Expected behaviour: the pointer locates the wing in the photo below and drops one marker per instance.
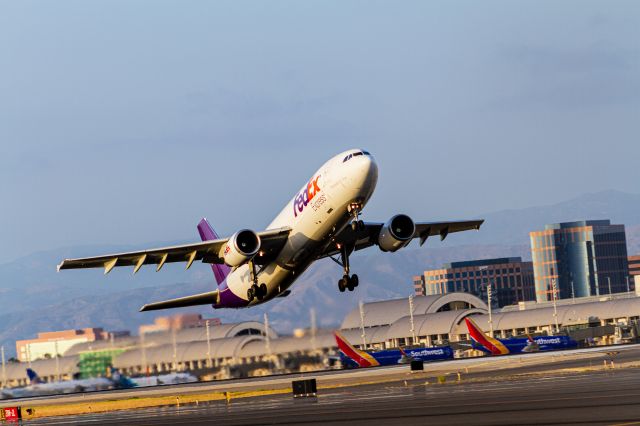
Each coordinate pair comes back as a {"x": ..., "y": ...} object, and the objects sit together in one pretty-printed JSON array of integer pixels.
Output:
[
  {"x": 368, "y": 236},
  {"x": 272, "y": 242}
]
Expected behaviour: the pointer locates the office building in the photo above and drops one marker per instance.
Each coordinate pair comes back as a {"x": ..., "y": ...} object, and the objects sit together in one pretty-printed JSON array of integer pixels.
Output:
[
  {"x": 511, "y": 280},
  {"x": 584, "y": 258},
  {"x": 634, "y": 272}
]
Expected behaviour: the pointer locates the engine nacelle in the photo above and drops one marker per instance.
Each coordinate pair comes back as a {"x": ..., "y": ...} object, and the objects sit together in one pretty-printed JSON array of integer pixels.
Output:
[
  {"x": 396, "y": 233},
  {"x": 241, "y": 247}
]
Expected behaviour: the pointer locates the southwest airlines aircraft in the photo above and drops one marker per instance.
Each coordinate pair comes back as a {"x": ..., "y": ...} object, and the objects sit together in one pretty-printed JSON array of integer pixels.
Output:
[
  {"x": 514, "y": 345},
  {"x": 322, "y": 220},
  {"x": 352, "y": 357}
]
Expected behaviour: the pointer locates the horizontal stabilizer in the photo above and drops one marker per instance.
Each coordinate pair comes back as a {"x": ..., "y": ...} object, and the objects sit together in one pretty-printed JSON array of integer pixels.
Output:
[{"x": 209, "y": 298}]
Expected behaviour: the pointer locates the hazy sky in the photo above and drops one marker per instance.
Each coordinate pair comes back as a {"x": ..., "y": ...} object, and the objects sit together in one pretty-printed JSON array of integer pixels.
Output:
[{"x": 126, "y": 121}]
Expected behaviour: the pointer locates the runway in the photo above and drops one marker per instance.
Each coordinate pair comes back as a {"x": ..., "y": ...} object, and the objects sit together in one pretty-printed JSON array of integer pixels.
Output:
[
  {"x": 520, "y": 392},
  {"x": 608, "y": 397}
]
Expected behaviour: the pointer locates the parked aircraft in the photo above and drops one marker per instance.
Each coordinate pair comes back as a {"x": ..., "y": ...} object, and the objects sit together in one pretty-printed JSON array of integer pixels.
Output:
[
  {"x": 165, "y": 379},
  {"x": 38, "y": 387},
  {"x": 494, "y": 346},
  {"x": 351, "y": 357},
  {"x": 322, "y": 220}
]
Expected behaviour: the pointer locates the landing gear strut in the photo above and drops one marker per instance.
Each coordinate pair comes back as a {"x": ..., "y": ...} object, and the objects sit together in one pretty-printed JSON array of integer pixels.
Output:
[
  {"x": 256, "y": 290},
  {"x": 354, "y": 209},
  {"x": 346, "y": 282}
]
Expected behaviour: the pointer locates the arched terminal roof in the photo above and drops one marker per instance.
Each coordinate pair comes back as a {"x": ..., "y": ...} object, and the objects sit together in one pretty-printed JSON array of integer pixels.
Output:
[
  {"x": 389, "y": 311},
  {"x": 197, "y": 350},
  {"x": 567, "y": 314},
  {"x": 445, "y": 322}
]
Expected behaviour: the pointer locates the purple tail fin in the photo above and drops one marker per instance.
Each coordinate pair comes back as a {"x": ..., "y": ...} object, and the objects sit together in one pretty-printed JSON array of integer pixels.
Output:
[{"x": 207, "y": 233}]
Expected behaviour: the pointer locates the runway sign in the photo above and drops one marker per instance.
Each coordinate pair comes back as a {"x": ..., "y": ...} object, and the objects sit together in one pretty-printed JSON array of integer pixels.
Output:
[
  {"x": 303, "y": 388},
  {"x": 12, "y": 414}
]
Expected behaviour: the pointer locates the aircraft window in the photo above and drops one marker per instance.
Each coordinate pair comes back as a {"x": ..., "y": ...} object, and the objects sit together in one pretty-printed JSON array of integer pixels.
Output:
[
  {"x": 365, "y": 153},
  {"x": 347, "y": 158},
  {"x": 357, "y": 153}
]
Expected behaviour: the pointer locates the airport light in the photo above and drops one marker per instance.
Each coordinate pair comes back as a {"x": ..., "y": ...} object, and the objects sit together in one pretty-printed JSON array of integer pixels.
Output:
[
  {"x": 144, "y": 354},
  {"x": 175, "y": 348},
  {"x": 413, "y": 330},
  {"x": 555, "y": 309},
  {"x": 267, "y": 342},
  {"x": 57, "y": 361},
  {"x": 363, "y": 335},
  {"x": 209, "y": 364},
  {"x": 312, "y": 313}
]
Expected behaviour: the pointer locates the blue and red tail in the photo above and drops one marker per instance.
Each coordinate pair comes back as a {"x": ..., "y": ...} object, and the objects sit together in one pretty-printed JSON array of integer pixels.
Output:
[{"x": 207, "y": 234}]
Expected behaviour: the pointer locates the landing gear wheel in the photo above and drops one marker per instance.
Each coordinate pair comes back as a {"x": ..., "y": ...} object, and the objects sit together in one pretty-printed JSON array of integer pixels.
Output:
[
  {"x": 263, "y": 290},
  {"x": 250, "y": 294},
  {"x": 342, "y": 284},
  {"x": 354, "y": 280}
]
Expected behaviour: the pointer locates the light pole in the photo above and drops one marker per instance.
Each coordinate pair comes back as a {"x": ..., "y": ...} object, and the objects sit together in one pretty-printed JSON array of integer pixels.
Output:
[
  {"x": 363, "y": 335},
  {"x": 609, "y": 283},
  {"x": 555, "y": 309},
  {"x": 57, "y": 361},
  {"x": 312, "y": 313},
  {"x": 489, "y": 293},
  {"x": 209, "y": 363},
  {"x": 413, "y": 330}
]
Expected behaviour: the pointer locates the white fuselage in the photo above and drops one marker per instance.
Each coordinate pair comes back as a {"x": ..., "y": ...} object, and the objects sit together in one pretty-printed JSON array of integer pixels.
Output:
[{"x": 318, "y": 212}]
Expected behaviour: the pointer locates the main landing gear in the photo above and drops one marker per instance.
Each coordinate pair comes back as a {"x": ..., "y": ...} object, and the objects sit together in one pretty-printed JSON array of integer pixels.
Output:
[
  {"x": 347, "y": 282},
  {"x": 255, "y": 291}
]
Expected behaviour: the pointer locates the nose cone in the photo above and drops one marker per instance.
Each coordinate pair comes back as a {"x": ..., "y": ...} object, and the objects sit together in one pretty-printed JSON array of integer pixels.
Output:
[{"x": 365, "y": 172}]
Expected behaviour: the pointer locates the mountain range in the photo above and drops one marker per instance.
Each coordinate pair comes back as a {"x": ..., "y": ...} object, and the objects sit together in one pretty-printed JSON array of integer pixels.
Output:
[{"x": 36, "y": 298}]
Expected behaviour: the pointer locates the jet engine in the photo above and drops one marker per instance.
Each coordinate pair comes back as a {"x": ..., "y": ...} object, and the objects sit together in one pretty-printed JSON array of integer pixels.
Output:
[
  {"x": 241, "y": 247},
  {"x": 396, "y": 233}
]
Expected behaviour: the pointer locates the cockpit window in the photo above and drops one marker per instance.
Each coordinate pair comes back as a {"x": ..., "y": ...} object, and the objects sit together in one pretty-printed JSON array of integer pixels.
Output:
[{"x": 355, "y": 154}]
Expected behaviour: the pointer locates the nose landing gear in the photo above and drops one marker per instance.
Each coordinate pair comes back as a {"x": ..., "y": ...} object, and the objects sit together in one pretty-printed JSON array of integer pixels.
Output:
[{"x": 354, "y": 209}]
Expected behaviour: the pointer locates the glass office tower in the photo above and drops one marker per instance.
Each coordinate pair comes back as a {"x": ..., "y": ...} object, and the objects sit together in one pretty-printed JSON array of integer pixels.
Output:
[{"x": 585, "y": 258}]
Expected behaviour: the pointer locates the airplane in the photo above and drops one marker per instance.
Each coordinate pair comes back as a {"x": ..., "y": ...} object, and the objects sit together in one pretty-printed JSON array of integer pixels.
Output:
[
  {"x": 38, "y": 387},
  {"x": 164, "y": 379},
  {"x": 514, "y": 345},
  {"x": 351, "y": 357},
  {"x": 322, "y": 220}
]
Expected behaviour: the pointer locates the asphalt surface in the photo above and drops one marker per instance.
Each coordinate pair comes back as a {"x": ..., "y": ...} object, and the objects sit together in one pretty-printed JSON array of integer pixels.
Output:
[
  {"x": 470, "y": 368},
  {"x": 601, "y": 397}
]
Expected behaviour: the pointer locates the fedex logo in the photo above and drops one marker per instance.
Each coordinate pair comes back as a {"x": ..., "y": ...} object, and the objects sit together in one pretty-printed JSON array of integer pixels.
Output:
[{"x": 305, "y": 196}]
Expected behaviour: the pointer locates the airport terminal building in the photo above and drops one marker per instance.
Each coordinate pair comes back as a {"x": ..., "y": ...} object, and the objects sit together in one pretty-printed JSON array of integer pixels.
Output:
[{"x": 251, "y": 349}]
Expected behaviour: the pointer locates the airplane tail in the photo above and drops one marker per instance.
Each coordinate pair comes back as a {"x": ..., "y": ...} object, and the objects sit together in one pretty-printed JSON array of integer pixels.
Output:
[
  {"x": 206, "y": 234},
  {"x": 362, "y": 358},
  {"x": 484, "y": 342},
  {"x": 33, "y": 377}
]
